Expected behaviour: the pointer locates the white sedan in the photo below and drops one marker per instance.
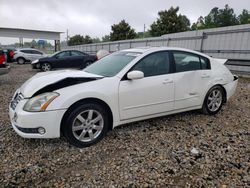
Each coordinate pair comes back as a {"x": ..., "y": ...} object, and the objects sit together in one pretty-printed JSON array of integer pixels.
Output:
[{"x": 126, "y": 86}]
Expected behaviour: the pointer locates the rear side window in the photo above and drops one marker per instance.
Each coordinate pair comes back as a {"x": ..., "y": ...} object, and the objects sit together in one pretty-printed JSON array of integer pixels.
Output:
[
  {"x": 36, "y": 52},
  {"x": 75, "y": 53},
  {"x": 189, "y": 62},
  {"x": 26, "y": 51},
  {"x": 205, "y": 63},
  {"x": 154, "y": 64}
]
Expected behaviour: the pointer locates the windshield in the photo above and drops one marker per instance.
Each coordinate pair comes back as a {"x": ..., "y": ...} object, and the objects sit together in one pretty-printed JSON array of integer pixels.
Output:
[
  {"x": 112, "y": 64},
  {"x": 52, "y": 55}
]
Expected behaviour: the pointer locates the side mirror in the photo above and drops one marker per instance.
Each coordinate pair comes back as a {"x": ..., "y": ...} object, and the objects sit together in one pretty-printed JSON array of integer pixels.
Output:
[{"x": 134, "y": 75}]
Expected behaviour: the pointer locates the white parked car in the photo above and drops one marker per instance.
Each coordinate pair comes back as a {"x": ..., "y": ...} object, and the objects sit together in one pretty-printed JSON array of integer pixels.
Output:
[
  {"x": 27, "y": 55},
  {"x": 126, "y": 86}
]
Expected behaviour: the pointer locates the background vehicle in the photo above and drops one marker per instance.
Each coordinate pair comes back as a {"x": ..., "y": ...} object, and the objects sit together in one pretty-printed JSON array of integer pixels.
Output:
[
  {"x": 64, "y": 59},
  {"x": 4, "y": 67},
  {"x": 27, "y": 55},
  {"x": 126, "y": 86},
  {"x": 10, "y": 54}
]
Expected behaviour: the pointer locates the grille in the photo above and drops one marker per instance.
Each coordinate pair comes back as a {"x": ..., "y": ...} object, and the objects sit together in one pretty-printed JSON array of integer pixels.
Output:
[{"x": 18, "y": 97}]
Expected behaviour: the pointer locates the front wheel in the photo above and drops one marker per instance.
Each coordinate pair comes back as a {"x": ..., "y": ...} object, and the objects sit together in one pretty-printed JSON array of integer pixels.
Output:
[
  {"x": 213, "y": 101},
  {"x": 85, "y": 125},
  {"x": 46, "y": 67}
]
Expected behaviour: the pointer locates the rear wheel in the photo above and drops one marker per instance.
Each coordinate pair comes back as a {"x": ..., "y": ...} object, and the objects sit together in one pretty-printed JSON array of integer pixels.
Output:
[
  {"x": 85, "y": 125},
  {"x": 213, "y": 101},
  {"x": 20, "y": 60},
  {"x": 46, "y": 67}
]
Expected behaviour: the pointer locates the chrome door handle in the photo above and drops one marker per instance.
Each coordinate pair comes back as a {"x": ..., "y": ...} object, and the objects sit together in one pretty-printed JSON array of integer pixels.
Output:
[
  {"x": 205, "y": 76},
  {"x": 167, "y": 81}
]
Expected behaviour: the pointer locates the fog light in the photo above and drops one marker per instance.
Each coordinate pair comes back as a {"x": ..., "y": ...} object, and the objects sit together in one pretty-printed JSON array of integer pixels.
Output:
[{"x": 41, "y": 130}]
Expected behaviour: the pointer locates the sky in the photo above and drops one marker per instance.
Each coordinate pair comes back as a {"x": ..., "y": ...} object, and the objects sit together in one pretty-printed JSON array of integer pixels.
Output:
[{"x": 95, "y": 17}]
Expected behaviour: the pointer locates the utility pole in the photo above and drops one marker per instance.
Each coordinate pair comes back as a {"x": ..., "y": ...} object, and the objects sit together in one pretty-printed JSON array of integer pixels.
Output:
[
  {"x": 144, "y": 30},
  {"x": 67, "y": 37}
]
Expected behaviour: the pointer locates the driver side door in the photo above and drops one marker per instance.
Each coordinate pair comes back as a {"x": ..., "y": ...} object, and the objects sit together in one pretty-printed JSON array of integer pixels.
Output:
[{"x": 153, "y": 94}]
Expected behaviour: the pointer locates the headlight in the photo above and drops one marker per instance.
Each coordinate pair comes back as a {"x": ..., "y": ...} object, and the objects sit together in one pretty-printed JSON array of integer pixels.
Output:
[
  {"x": 40, "y": 102},
  {"x": 36, "y": 61}
]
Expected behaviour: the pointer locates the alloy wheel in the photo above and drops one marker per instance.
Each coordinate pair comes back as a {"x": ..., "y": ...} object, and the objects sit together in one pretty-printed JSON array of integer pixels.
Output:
[
  {"x": 214, "y": 100},
  {"x": 88, "y": 125}
]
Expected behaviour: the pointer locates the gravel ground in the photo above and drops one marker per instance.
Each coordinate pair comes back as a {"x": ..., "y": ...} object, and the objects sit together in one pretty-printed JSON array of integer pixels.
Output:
[{"x": 183, "y": 150}]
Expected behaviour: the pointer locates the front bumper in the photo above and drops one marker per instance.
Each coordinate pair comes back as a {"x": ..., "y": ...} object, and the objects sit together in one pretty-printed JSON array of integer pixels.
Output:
[
  {"x": 26, "y": 124},
  {"x": 35, "y": 66},
  {"x": 4, "y": 70}
]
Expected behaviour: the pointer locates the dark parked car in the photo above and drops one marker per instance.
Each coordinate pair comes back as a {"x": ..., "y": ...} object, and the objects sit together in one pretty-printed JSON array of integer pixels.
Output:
[
  {"x": 64, "y": 59},
  {"x": 4, "y": 68},
  {"x": 10, "y": 54}
]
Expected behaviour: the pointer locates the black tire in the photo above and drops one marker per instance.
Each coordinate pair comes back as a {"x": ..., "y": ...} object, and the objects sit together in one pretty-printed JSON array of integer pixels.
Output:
[
  {"x": 213, "y": 109},
  {"x": 45, "y": 67},
  {"x": 20, "y": 60},
  {"x": 71, "y": 118}
]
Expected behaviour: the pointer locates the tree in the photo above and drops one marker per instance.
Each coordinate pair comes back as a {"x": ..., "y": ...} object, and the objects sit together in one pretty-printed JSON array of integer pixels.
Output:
[
  {"x": 122, "y": 31},
  {"x": 76, "y": 40},
  {"x": 106, "y": 38},
  {"x": 96, "y": 40},
  {"x": 244, "y": 17},
  {"x": 217, "y": 18},
  {"x": 199, "y": 24},
  {"x": 169, "y": 21},
  {"x": 79, "y": 39},
  {"x": 227, "y": 17}
]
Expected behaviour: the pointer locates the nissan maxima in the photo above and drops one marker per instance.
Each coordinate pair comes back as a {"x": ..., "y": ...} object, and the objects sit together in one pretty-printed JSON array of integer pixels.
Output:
[{"x": 123, "y": 87}]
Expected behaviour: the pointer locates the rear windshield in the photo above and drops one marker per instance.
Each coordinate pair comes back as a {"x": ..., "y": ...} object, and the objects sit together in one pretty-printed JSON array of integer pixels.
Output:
[{"x": 112, "y": 64}]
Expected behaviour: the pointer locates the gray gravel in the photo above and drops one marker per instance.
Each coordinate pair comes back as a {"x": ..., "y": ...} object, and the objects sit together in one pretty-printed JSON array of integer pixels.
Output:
[{"x": 183, "y": 150}]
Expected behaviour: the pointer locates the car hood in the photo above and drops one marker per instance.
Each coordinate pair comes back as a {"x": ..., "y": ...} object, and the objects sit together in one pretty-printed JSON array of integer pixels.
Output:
[
  {"x": 50, "y": 81},
  {"x": 45, "y": 58}
]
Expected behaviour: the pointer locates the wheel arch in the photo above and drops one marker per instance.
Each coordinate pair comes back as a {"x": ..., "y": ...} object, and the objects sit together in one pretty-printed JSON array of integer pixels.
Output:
[
  {"x": 90, "y": 100},
  {"x": 223, "y": 89}
]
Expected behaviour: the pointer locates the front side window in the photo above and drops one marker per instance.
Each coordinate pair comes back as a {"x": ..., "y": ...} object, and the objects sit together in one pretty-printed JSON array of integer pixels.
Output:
[
  {"x": 63, "y": 54},
  {"x": 112, "y": 64},
  {"x": 154, "y": 64},
  {"x": 75, "y": 53}
]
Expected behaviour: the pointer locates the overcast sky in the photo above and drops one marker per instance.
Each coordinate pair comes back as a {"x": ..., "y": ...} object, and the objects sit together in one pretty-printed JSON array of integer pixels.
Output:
[{"x": 94, "y": 17}]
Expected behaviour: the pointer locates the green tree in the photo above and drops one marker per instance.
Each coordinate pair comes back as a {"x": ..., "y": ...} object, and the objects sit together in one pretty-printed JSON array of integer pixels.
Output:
[
  {"x": 122, "y": 31},
  {"x": 227, "y": 17},
  {"x": 87, "y": 40},
  {"x": 199, "y": 24},
  {"x": 96, "y": 40},
  {"x": 169, "y": 21},
  {"x": 79, "y": 39},
  {"x": 76, "y": 40},
  {"x": 106, "y": 38},
  {"x": 244, "y": 17},
  {"x": 217, "y": 18}
]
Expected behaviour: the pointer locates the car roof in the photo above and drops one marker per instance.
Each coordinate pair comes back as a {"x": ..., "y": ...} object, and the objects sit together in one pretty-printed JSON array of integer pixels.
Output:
[
  {"x": 28, "y": 49},
  {"x": 155, "y": 49}
]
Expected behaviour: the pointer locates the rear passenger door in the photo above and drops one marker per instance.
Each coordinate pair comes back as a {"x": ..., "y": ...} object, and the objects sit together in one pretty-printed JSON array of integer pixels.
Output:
[
  {"x": 192, "y": 75},
  {"x": 77, "y": 59}
]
